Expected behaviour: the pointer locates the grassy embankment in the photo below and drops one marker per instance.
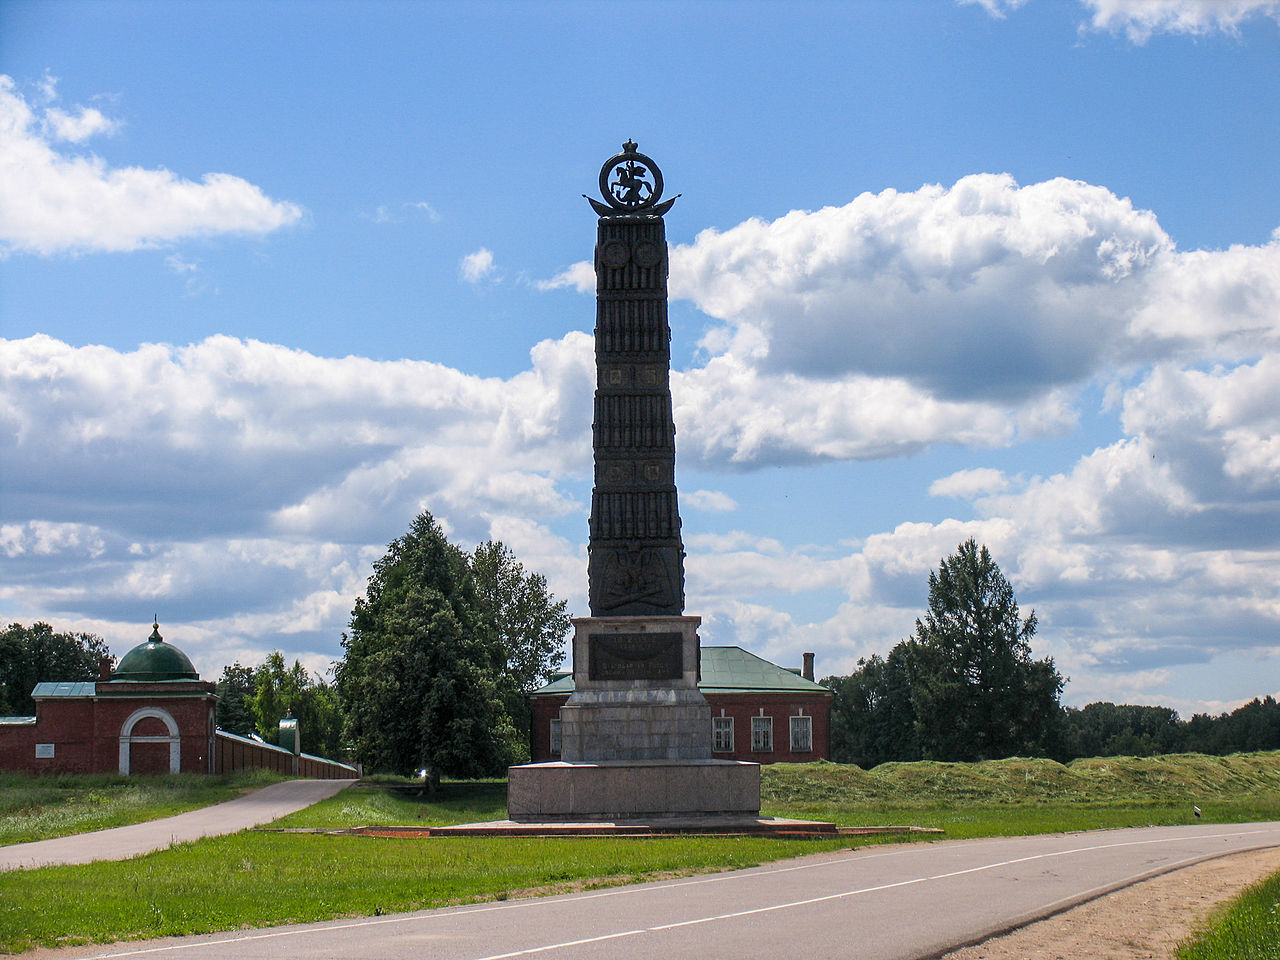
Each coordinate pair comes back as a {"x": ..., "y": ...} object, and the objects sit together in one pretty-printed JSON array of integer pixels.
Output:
[
  {"x": 259, "y": 879},
  {"x": 1247, "y": 928},
  {"x": 39, "y": 808}
]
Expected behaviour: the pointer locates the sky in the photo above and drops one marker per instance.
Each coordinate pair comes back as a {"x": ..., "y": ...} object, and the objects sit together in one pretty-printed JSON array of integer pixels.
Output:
[{"x": 277, "y": 276}]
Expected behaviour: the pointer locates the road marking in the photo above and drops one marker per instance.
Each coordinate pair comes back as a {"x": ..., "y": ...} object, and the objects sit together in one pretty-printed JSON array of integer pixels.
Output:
[
  {"x": 735, "y": 875},
  {"x": 839, "y": 896}
]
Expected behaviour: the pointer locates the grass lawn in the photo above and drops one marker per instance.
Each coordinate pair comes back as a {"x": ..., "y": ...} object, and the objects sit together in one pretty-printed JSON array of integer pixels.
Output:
[
  {"x": 472, "y": 801},
  {"x": 38, "y": 808},
  {"x": 258, "y": 879},
  {"x": 263, "y": 878},
  {"x": 1248, "y": 928}
]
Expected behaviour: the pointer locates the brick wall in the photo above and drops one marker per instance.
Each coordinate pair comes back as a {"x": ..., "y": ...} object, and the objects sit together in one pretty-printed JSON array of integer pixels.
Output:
[
  {"x": 84, "y": 735},
  {"x": 241, "y": 753}
]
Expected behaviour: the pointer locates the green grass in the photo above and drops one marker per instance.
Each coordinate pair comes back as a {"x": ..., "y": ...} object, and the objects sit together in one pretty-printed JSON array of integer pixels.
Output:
[
  {"x": 264, "y": 878},
  {"x": 406, "y": 804},
  {"x": 258, "y": 879},
  {"x": 39, "y": 808},
  {"x": 1188, "y": 777},
  {"x": 1248, "y": 928},
  {"x": 1020, "y": 796}
]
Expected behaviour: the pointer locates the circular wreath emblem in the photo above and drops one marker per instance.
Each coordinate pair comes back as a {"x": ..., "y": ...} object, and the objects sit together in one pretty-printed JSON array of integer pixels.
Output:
[{"x": 630, "y": 181}]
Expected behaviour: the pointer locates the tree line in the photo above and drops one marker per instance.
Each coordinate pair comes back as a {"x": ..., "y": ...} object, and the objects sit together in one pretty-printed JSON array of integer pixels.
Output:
[
  {"x": 966, "y": 688},
  {"x": 445, "y": 646},
  {"x": 440, "y": 656}
]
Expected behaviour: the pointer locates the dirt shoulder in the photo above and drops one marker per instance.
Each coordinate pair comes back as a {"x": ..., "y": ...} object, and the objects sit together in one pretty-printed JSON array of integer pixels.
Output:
[{"x": 1143, "y": 922}]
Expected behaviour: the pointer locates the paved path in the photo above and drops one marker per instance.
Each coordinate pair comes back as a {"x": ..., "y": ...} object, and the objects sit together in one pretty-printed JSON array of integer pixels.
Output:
[
  {"x": 879, "y": 903},
  {"x": 121, "y": 843}
]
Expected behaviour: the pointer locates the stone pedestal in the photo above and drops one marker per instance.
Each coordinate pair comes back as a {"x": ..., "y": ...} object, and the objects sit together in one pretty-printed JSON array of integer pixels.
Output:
[
  {"x": 632, "y": 790},
  {"x": 636, "y": 692},
  {"x": 635, "y": 734}
]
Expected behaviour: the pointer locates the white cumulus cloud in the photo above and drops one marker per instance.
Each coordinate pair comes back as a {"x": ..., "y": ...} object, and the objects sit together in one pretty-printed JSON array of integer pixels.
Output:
[
  {"x": 715, "y": 501},
  {"x": 580, "y": 276},
  {"x": 1139, "y": 19},
  {"x": 477, "y": 266},
  {"x": 969, "y": 483},
  {"x": 985, "y": 289},
  {"x": 54, "y": 202}
]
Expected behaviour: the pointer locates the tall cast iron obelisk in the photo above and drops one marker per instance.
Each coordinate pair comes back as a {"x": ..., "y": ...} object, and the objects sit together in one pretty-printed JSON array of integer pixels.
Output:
[
  {"x": 636, "y": 565},
  {"x": 636, "y": 732}
]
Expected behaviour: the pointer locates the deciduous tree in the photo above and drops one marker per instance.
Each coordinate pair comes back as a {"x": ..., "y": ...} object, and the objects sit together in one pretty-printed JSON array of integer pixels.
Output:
[
  {"x": 31, "y": 655},
  {"x": 873, "y": 719},
  {"x": 280, "y": 691},
  {"x": 422, "y": 677},
  {"x": 528, "y": 623}
]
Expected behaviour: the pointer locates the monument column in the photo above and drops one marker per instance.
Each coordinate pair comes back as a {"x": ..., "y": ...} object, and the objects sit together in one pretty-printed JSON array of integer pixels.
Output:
[
  {"x": 635, "y": 659},
  {"x": 636, "y": 732}
]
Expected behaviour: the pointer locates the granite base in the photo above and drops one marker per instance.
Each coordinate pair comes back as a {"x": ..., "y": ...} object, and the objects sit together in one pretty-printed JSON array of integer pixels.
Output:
[{"x": 542, "y": 792}]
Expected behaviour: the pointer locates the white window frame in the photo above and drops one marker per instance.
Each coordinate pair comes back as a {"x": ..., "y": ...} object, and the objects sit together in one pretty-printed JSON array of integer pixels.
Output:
[
  {"x": 722, "y": 734},
  {"x": 762, "y": 734},
  {"x": 801, "y": 734},
  {"x": 555, "y": 738}
]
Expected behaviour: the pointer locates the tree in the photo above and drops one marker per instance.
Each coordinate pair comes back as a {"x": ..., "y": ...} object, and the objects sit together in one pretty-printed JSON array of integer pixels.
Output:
[
  {"x": 31, "y": 655},
  {"x": 1108, "y": 730},
  {"x": 528, "y": 624},
  {"x": 280, "y": 692},
  {"x": 976, "y": 691},
  {"x": 419, "y": 677},
  {"x": 872, "y": 717},
  {"x": 234, "y": 688}
]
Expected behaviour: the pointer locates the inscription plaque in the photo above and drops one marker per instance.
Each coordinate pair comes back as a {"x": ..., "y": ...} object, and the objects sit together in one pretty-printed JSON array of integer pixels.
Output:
[{"x": 635, "y": 656}]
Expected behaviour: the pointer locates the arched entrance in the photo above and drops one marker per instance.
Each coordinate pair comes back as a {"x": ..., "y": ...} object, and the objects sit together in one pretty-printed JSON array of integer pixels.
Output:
[{"x": 150, "y": 743}]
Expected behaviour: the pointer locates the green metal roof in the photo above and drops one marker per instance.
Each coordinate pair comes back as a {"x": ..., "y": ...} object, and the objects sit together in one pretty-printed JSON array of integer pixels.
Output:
[
  {"x": 724, "y": 670},
  {"x": 153, "y": 661},
  {"x": 65, "y": 688}
]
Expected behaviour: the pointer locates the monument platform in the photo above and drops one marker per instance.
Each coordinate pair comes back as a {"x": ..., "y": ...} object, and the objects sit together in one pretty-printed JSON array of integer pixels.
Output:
[
  {"x": 632, "y": 789},
  {"x": 649, "y": 827}
]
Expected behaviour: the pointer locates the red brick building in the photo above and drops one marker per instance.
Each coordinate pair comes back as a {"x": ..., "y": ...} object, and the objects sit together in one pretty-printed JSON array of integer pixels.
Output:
[
  {"x": 152, "y": 715},
  {"x": 759, "y": 711}
]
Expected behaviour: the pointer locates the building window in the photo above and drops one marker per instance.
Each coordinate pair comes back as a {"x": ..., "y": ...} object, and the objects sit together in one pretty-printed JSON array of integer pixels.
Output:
[
  {"x": 802, "y": 734},
  {"x": 556, "y": 742},
  {"x": 762, "y": 734},
  {"x": 722, "y": 734}
]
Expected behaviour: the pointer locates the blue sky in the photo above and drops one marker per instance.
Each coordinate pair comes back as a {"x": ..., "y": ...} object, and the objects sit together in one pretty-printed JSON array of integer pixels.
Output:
[{"x": 276, "y": 276}]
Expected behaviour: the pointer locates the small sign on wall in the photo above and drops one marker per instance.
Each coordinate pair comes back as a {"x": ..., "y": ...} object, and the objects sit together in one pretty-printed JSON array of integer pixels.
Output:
[{"x": 44, "y": 751}]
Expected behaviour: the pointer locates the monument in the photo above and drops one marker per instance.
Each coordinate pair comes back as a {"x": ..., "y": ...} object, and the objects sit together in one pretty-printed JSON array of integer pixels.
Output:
[{"x": 636, "y": 733}]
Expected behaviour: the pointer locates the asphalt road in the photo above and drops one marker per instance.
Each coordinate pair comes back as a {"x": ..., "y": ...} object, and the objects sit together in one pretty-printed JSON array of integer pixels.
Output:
[
  {"x": 119, "y": 843},
  {"x": 880, "y": 903}
]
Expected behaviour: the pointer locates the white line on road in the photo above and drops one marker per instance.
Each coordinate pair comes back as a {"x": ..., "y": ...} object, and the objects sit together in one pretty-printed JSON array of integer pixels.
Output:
[
  {"x": 833, "y": 896},
  {"x": 684, "y": 923}
]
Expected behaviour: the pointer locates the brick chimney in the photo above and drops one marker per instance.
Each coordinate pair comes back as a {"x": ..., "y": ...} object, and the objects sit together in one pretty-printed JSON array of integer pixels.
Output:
[
  {"x": 104, "y": 669},
  {"x": 807, "y": 670}
]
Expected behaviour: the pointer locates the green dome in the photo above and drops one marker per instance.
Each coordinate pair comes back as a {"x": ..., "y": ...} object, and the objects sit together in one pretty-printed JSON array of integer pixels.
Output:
[{"x": 155, "y": 660}]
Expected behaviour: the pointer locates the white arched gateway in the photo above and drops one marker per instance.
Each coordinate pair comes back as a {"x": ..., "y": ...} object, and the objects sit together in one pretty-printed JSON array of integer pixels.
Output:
[{"x": 171, "y": 736}]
